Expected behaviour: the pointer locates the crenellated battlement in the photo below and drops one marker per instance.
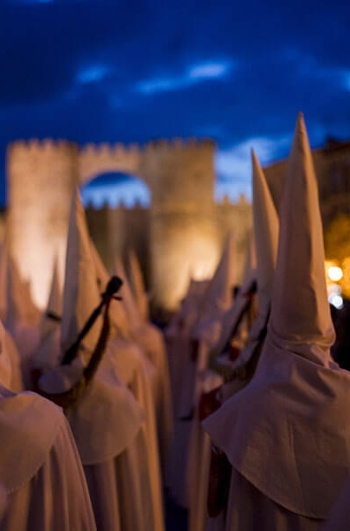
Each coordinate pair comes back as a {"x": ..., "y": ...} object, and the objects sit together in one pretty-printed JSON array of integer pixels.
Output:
[
  {"x": 182, "y": 221},
  {"x": 179, "y": 145},
  {"x": 41, "y": 145}
]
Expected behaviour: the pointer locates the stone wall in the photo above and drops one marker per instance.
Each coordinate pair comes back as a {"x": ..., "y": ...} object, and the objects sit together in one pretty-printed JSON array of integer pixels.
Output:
[{"x": 185, "y": 235}]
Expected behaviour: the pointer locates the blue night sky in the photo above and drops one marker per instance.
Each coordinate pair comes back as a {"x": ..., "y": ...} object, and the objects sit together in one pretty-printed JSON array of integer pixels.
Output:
[{"x": 132, "y": 71}]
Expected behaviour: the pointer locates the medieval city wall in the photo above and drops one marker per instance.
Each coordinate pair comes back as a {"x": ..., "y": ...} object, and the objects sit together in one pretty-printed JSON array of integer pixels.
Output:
[
  {"x": 178, "y": 237},
  {"x": 40, "y": 180},
  {"x": 131, "y": 229}
]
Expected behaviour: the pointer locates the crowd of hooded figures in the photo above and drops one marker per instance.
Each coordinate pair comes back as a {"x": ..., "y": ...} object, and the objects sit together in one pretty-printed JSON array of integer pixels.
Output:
[{"x": 237, "y": 410}]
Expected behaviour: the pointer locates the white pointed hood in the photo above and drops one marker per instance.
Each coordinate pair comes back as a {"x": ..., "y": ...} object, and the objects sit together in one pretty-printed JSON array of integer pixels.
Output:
[
  {"x": 117, "y": 313},
  {"x": 266, "y": 228},
  {"x": 296, "y": 407},
  {"x": 231, "y": 316},
  {"x": 137, "y": 285},
  {"x": 54, "y": 306},
  {"x": 20, "y": 309},
  {"x": 80, "y": 294},
  {"x": 219, "y": 292},
  {"x": 300, "y": 317},
  {"x": 128, "y": 300}
]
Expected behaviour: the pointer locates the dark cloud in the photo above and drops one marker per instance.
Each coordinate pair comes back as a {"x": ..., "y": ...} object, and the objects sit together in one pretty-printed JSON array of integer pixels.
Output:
[{"x": 78, "y": 69}]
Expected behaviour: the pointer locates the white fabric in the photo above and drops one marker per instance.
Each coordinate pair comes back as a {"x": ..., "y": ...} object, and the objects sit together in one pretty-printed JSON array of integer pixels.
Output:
[
  {"x": 266, "y": 229},
  {"x": 106, "y": 402},
  {"x": 125, "y": 482},
  {"x": 250, "y": 510},
  {"x": 296, "y": 408},
  {"x": 137, "y": 286},
  {"x": 10, "y": 349},
  {"x": 184, "y": 320},
  {"x": 48, "y": 355},
  {"x": 54, "y": 496},
  {"x": 80, "y": 294},
  {"x": 117, "y": 313},
  {"x": 219, "y": 292},
  {"x": 150, "y": 338},
  {"x": 54, "y": 304},
  {"x": 134, "y": 369},
  {"x": 128, "y": 301},
  {"x": 24, "y": 416},
  {"x": 21, "y": 317},
  {"x": 199, "y": 460},
  {"x": 300, "y": 317},
  {"x": 20, "y": 308}
]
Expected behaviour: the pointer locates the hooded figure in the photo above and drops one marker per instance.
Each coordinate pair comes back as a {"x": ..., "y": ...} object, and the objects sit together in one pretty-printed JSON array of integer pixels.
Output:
[
  {"x": 40, "y": 469},
  {"x": 287, "y": 433},
  {"x": 21, "y": 317},
  {"x": 137, "y": 286},
  {"x": 266, "y": 239},
  {"x": 231, "y": 316},
  {"x": 48, "y": 353},
  {"x": 114, "y": 459},
  {"x": 266, "y": 229}
]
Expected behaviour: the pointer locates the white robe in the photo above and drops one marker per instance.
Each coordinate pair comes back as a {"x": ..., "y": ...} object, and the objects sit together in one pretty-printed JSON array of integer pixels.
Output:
[{"x": 40, "y": 468}]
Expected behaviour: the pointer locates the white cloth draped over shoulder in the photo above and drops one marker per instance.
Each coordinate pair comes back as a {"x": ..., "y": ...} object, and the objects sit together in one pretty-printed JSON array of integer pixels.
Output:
[
  {"x": 40, "y": 468},
  {"x": 107, "y": 421},
  {"x": 288, "y": 431}
]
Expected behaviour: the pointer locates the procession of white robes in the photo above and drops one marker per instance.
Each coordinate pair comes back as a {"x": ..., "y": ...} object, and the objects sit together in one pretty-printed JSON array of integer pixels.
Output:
[
  {"x": 284, "y": 429},
  {"x": 287, "y": 433}
]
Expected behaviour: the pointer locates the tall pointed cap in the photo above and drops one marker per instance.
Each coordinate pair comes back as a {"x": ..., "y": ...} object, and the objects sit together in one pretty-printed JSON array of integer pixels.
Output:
[
  {"x": 137, "y": 285},
  {"x": 80, "y": 293},
  {"x": 54, "y": 304},
  {"x": 55, "y": 301},
  {"x": 300, "y": 319},
  {"x": 249, "y": 268},
  {"x": 20, "y": 308},
  {"x": 266, "y": 228},
  {"x": 117, "y": 313},
  {"x": 219, "y": 291},
  {"x": 128, "y": 300}
]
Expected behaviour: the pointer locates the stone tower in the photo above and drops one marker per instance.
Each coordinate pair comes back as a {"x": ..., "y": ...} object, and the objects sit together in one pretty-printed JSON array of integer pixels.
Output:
[
  {"x": 183, "y": 231},
  {"x": 40, "y": 180},
  {"x": 184, "y": 236}
]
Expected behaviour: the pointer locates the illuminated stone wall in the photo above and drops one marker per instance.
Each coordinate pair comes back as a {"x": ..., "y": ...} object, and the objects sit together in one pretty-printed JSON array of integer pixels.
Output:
[
  {"x": 183, "y": 230},
  {"x": 181, "y": 226},
  {"x": 40, "y": 180},
  {"x": 131, "y": 229}
]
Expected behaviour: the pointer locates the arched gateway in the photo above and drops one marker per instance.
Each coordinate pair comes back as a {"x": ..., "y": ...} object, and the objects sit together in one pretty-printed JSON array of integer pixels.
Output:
[{"x": 180, "y": 174}]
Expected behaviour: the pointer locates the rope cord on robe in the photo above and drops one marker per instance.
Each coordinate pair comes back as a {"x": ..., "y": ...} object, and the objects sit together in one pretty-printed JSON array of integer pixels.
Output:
[
  {"x": 69, "y": 398},
  {"x": 113, "y": 287}
]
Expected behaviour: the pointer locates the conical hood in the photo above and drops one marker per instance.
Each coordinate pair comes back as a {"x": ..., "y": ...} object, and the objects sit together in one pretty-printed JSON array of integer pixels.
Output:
[
  {"x": 80, "y": 294},
  {"x": 137, "y": 285},
  {"x": 232, "y": 315},
  {"x": 249, "y": 268},
  {"x": 300, "y": 319},
  {"x": 20, "y": 309},
  {"x": 117, "y": 311},
  {"x": 54, "y": 304},
  {"x": 128, "y": 300},
  {"x": 266, "y": 227},
  {"x": 219, "y": 292}
]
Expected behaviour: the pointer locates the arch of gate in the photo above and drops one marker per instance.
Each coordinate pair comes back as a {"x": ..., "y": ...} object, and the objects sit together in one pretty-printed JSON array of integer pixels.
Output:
[
  {"x": 180, "y": 175},
  {"x": 97, "y": 159}
]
